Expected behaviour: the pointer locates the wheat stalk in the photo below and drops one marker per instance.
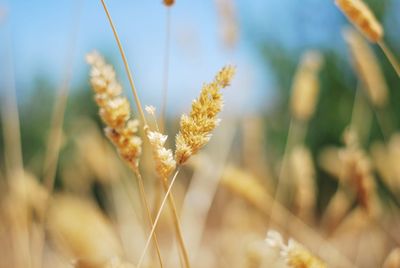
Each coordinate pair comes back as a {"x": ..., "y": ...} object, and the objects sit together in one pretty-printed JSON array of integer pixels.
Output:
[
  {"x": 195, "y": 128},
  {"x": 121, "y": 130},
  {"x": 139, "y": 106},
  {"x": 249, "y": 189},
  {"x": 195, "y": 132},
  {"x": 14, "y": 165},
  {"x": 305, "y": 90},
  {"x": 126, "y": 65},
  {"x": 157, "y": 218},
  {"x": 165, "y": 166},
  {"x": 166, "y": 69}
]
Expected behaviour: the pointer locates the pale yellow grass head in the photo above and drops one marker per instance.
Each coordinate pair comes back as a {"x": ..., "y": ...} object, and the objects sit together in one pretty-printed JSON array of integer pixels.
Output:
[
  {"x": 305, "y": 86},
  {"x": 115, "y": 110},
  {"x": 362, "y": 17},
  {"x": 393, "y": 259},
  {"x": 367, "y": 67},
  {"x": 82, "y": 232},
  {"x": 294, "y": 253},
  {"x": 195, "y": 128}
]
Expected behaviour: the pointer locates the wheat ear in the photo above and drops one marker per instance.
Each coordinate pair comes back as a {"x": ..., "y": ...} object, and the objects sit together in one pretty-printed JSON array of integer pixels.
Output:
[
  {"x": 136, "y": 96},
  {"x": 121, "y": 130},
  {"x": 305, "y": 90},
  {"x": 195, "y": 132},
  {"x": 364, "y": 19},
  {"x": 195, "y": 128}
]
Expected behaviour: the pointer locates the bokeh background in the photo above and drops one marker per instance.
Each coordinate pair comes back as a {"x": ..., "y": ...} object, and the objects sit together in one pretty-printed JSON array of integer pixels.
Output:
[{"x": 41, "y": 41}]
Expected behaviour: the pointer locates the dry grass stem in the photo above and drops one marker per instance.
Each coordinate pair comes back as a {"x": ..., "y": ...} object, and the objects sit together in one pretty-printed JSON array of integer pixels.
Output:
[
  {"x": 390, "y": 56},
  {"x": 126, "y": 65},
  {"x": 121, "y": 130},
  {"x": 157, "y": 218},
  {"x": 166, "y": 67},
  {"x": 283, "y": 217}
]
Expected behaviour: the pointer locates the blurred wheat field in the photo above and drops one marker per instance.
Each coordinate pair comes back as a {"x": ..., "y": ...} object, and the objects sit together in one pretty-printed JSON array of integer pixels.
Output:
[{"x": 99, "y": 178}]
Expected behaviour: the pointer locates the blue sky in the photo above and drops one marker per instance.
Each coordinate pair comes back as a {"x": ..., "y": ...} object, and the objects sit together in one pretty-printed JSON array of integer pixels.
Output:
[{"x": 41, "y": 36}]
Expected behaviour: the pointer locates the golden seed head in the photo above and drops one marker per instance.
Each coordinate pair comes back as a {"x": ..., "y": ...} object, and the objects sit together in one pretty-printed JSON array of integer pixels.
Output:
[
  {"x": 246, "y": 186},
  {"x": 225, "y": 75},
  {"x": 168, "y": 3},
  {"x": 80, "y": 231},
  {"x": 299, "y": 257},
  {"x": 303, "y": 175},
  {"x": 195, "y": 129},
  {"x": 165, "y": 163},
  {"x": 393, "y": 260},
  {"x": 305, "y": 88},
  {"x": 294, "y": 254},
  {"x": 128, "y": 144},
  {"x": 115, "y": 110},
  {"x": 357, "y": 172},
  {"x": 150, "y": 109},
  {"x": 367, "y": 66},
  {"x": 362, "y": 17},
  {"x": 229, "y": 26}
]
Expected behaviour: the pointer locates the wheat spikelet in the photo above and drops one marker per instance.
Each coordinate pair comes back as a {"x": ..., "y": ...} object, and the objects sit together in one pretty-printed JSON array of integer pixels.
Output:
[
  {"x": 26, "y": 198},
  {"x": 228, "y": 22},
  {"x": 121, "y": 130},
  {"x": 165, "y": 163},
  {"x": 294, "y": 254},
  {"x": 303, "y": 172},
  {"x": 82, "y": 232},
  {"x": 385, "y": 162},
  {"x": 245, "y": 185},
  {"x": 195, "y": 129},
  {"x": 168, "y": 3},
  {"x": 114, "y": 110},
  {"x": 305, "y": 88},
  {"x": 393, "y": 259},
  {"x": 362, "y": 17},
  {"x": 357, "y": 172},
  {"x": 367, "y": 67}
]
